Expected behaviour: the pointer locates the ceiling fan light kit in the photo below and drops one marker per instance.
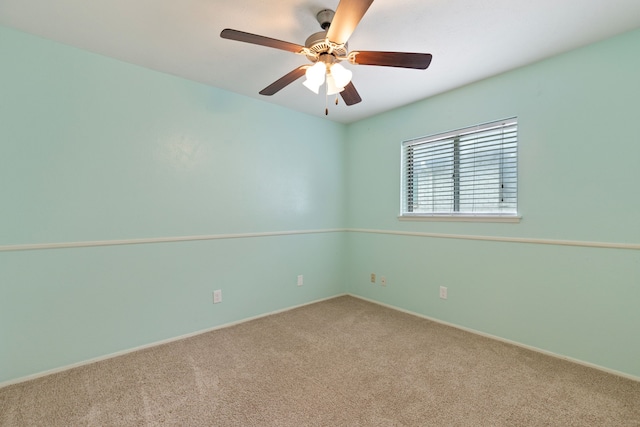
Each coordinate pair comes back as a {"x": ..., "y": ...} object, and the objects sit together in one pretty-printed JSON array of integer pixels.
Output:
[
  {"x": 335, "y": 75},
  {"x": 327, "y": 48}
]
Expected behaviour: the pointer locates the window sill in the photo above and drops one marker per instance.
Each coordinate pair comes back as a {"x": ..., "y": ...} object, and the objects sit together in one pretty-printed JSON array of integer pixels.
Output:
[{"x": 462, "y": 218}]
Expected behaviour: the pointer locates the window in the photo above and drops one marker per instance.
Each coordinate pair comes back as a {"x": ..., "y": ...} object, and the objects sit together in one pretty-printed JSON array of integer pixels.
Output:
[{"x": 471, "y": 172}]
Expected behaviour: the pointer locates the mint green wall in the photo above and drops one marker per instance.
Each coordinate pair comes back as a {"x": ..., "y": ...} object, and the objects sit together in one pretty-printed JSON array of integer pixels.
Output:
[
  {"x": 579, "y": 172},
  {"x": 96, "y": 149},
  {"x": 93, "y": 149}
]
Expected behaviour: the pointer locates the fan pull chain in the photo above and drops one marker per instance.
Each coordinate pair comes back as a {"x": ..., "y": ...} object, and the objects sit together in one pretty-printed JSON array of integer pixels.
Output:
[{"x": 326, "y": 99}]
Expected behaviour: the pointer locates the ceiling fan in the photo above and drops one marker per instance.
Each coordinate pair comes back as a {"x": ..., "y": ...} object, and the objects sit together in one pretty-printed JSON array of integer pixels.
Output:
[{"x": 327, "y": 48}]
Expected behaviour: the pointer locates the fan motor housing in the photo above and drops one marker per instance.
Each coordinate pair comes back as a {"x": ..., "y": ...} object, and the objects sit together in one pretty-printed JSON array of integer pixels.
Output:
[{"x": 317, "y": 43}]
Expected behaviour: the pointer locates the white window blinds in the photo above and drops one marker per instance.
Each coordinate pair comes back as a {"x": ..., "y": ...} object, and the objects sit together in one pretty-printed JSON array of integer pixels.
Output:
[{"x": 468, "y": 172}]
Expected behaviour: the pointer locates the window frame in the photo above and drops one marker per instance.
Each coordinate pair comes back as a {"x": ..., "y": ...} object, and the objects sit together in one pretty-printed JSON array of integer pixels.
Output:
[{"x": 455, "y": 215}]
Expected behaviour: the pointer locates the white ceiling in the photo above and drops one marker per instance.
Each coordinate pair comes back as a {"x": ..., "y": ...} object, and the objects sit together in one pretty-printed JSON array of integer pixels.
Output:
[{"x": 469, "y": 39}]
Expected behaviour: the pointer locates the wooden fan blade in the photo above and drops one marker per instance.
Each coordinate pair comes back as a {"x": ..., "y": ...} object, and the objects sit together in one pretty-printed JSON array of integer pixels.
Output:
[
  {"x": 284, "y": 81},
  {"x": 348, "y": 15},
  {"x": 394, "y": 59},
  {"x": 350, "y": 95},
  {"x": 241, "y": 36}
]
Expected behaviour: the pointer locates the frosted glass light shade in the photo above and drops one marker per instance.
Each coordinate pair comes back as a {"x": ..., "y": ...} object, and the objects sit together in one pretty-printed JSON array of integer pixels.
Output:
[
  {"x": 332, "y": 88},
  {"x": 312, "y": 86},
  {"x": 315, "y": 74},
  {"x": 341, "y": 75}
]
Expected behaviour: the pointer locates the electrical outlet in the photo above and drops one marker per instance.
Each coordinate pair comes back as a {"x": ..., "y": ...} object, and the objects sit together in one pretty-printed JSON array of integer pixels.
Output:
[
  {"x": 300, "y": 280},
  {"x": 373, "y": 277},
  {"x": 217, "y": 296},
  {"x": 443, "y": 292},
  {"x": 383, "y": 281}
]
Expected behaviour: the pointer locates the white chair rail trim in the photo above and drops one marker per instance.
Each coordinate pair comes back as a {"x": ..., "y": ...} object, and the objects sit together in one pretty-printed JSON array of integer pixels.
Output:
[{"x": 538, "y": 241}]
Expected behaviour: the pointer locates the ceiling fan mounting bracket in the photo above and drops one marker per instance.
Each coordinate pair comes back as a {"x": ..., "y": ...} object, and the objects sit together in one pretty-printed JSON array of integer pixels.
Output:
[{"x": 324, "y": 17}]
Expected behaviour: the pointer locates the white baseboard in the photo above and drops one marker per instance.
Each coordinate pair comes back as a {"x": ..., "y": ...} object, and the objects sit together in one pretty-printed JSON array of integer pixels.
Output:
[
  {"x": 248, "y": 319},
  {"x": 504, "y": 340},
  {"x": 156, "y": 343}
]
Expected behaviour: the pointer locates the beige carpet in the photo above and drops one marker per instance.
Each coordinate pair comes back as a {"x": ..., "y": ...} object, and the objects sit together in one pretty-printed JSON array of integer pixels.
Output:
[{"x": 342, "y": 362}]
